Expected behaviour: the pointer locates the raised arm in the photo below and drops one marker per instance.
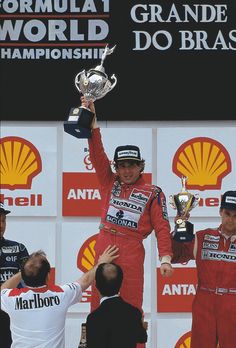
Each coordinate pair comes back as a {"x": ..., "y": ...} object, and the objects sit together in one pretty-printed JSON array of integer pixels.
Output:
[{"x": 97, "y": 153}]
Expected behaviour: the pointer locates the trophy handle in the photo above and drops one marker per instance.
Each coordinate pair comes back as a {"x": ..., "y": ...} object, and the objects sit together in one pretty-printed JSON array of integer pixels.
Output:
[
  {"x": 113, "y": 77},
  {"x": 77, "y": 80}
]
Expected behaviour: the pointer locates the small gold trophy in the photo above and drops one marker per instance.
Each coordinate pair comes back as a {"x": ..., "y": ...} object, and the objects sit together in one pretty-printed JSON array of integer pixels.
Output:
[{"x": 183, "y": 202}]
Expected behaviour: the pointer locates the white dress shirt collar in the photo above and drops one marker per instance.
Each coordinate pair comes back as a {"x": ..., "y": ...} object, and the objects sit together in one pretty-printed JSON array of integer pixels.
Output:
[{"x": 107, "y": 297}]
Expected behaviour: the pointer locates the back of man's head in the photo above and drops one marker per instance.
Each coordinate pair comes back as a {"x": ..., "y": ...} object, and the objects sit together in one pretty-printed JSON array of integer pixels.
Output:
[
  {"x": 109, "y": 277},
  {"x": 36, "y": 269}
]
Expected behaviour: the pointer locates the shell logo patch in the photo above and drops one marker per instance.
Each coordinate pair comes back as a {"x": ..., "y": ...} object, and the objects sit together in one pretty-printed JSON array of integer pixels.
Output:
[
  {"x": 20, "y": 162},
  {"x": 204, "y": 161},
  {"x": 86, "y": 255}
]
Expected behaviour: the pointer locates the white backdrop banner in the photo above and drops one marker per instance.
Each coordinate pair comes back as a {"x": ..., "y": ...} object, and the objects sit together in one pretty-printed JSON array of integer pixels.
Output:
[
  {"x": 76, "y": 152},
  {"x": 174, "y": 333}
]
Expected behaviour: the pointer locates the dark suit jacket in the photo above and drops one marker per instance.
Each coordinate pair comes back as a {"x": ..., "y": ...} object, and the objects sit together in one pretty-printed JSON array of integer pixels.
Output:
[{"x": 115, "y": 324}]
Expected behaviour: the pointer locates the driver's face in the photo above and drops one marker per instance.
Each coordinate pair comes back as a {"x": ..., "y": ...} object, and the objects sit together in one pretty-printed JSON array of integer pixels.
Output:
[{"x": 128, "y": 171}]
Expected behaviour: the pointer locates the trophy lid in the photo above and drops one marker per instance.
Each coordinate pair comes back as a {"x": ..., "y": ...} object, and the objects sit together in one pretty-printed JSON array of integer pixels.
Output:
[
  {"x": 106, "y": 52},
  {"x": 99, "y": 70},
  {"x": 183, "y": 181}
]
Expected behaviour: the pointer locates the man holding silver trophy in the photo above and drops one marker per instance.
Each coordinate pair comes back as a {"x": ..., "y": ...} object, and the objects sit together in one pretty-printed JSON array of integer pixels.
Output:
[
  {"x": 131, "y": 208},
  {"x": 214, "y": 249}
]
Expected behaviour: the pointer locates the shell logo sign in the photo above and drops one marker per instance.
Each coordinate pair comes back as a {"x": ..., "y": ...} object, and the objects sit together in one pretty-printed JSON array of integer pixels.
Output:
[
  {"x": 176, "y": 293},
  {"x": 185, "y": 341},
  {"x": 86, "y": 255},
  {"x": 85, "y": 261},
  {"x": 20, "y": 163},
  {"x": 204, "y": 161}
]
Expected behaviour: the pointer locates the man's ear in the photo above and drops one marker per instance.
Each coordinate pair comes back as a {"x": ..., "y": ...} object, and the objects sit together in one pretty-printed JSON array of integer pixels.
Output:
[
  {"x": 141, "y": 167},
  {"x": 48, "y": 278}
]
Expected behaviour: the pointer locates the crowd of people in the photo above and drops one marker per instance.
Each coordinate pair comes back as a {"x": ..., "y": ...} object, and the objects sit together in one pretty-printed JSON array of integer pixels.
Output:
[{"x": 131, "y": 210}]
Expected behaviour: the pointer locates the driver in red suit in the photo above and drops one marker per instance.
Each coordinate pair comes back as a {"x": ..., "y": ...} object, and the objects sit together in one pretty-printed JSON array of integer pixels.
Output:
[
  {"x": 131, "y": 210},
  {"x": 214, "y": 306}
]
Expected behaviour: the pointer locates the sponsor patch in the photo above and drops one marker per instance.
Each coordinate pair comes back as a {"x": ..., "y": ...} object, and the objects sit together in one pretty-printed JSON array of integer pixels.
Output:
[
  {"x": 127, "y": 153},
  {"x": 10, "y": 249},
  {"x": 211, "y": 238},
  {"x": 164, "y": 209},
  {"x": 218, "y": 256},
  {"x": 231, "y": 200},
  {"x": 126, "y": 205},
  {"x": 36, "y": 302},
  {"x": 122, "y": 217},
  {"x": 116, "y": 189},
  {"x": 140, "y": 196},
  {"x": 121, "y": 222},
  {"x": 232, "y": 248},
  {"x": 22, "y": 247},
  {"x": 208, "y": 245}
]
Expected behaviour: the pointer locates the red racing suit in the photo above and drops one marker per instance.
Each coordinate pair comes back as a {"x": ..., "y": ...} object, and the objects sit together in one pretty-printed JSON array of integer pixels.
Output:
[
  {"x": 129, "y": 214},
  {"x": 214, "y": 306}
]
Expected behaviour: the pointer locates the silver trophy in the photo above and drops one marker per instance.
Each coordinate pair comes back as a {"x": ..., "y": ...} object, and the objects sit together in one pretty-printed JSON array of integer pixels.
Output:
[
  {"x": 93, "y": 84},
  {"x": 184, "y": 202}
]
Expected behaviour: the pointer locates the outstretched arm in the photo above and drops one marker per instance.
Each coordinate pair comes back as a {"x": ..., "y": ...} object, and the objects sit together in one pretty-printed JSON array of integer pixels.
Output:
[{"x": 12, "y": 282}]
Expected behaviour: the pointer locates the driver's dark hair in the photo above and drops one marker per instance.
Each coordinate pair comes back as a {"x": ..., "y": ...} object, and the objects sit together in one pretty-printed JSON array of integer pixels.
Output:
[{"x": 139, "y": 163}]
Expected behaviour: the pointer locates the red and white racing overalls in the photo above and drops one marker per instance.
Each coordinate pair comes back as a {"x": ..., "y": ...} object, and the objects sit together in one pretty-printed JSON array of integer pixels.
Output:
[
  {"x": 214, "y": 306},
  {"x": 129, "y": 214}
]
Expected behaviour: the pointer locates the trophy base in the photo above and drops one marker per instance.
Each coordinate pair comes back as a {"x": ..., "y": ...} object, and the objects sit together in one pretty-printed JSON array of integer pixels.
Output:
[
  {"x": 183, "y": 232},
  {"x": 79, "y": 123}
]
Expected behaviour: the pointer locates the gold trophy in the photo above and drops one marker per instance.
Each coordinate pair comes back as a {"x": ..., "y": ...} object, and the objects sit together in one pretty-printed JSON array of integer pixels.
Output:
[{"x": 184, "y": 202}]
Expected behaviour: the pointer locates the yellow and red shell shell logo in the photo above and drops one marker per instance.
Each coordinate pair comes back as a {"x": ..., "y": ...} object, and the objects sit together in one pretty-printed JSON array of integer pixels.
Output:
[
  {"x": 204, "y": 161},
  {"x": 86, "y": 255},
  {"x": 20, "y": 162},
  {"x": 185, "y": 341}
]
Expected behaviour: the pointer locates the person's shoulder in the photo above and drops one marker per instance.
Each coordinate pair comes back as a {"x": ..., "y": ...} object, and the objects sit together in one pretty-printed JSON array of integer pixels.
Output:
[
  {"x": 212, "y": 231},
  {"x": 156, "y": 189},
  {"x": 131, "y": 307},
  {"x": 71, "y": 286},
  {"x": 94, "y": 314},
  {"x": 10, "y": 242}
]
